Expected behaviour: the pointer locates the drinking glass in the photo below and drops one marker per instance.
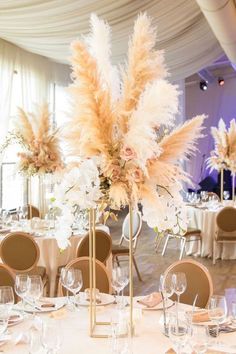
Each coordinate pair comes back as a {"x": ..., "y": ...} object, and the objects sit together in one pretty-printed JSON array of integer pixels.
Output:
[
  {"x": 51, "y": 336},
  {"x": 4, "y": 317},
  {"x": 35, "y": 290},
  {"x": 217, "y": 310},
  {"x": 226, "y": 195},
  {"x": 124, "y": 279},
  {"x": 233, "y": 310},
  {"x": 166, "y": 287},
  {"x": 6, "y": 298},
  {"x": 180, "y": 285},
  {"x": 199, "y": 339},
  {"x": 178, "y": 332},
  {"x": 24, "y": 211},
  {"x": 6, "y": 217},
  {"x": 22, "y": 284},
  {"x": 117, "y": 280},
  {"x": 76, "y": 283}
]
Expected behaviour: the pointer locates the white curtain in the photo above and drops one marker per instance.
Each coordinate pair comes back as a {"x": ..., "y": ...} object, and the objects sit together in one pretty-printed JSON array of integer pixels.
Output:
[
  {"x": 7, "y": 66},
  {"x": 48, "y": 27}
]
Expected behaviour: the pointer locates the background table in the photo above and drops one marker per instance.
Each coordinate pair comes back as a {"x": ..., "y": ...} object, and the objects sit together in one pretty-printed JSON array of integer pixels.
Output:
[
  {"x": 74, "y": 326},
  {"x": 205, "y": 220}
]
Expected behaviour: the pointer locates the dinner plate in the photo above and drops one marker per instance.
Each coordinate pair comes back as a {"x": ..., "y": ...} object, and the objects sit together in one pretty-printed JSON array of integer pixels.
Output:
[
  {"x": 106, "y": 299},
  {"x": 59, "y": 303},
  {"x": 169, "y": 303},
  {"x": 15, "y": 318}
]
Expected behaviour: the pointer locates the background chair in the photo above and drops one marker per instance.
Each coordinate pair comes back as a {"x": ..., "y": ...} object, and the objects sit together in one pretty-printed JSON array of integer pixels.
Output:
[
  {"x": 7, "y": 277},
  {"x": 187, "y": 237},
  {"x": 35, "y": 212},
  {"x": 120, "y": 250},
  {"x": 199, "y": 282},
  {"x": 21, "y": 253},
  {"x": 103, "y": 246},
  {"x": 103, "y": 283},
  {"x": 226, "y": 228}
]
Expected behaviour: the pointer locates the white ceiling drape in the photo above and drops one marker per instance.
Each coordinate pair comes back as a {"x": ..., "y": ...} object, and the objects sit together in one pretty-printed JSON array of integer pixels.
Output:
[{"x": 47, "y": 28}]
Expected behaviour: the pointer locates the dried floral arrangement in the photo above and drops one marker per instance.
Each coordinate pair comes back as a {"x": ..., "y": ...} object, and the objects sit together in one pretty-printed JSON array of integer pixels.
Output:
[
  {"x": 224, "y": 154},
  {"x": 117, "y": 120},
  {"x": 40, "y": 144}
]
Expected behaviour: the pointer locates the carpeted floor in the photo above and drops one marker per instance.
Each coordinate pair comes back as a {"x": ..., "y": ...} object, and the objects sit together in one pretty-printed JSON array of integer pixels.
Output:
[{"x": 151, "y": 264}]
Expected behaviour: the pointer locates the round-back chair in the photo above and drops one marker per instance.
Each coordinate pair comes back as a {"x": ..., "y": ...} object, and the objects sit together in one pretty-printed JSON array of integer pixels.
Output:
[
  {"x": 199, "y": 282},
  {"x": 19, "y": 251},
  {"x": 137, "y": 225},
  {"x": 103, "y": 246},
  {"x": 103, "y": 283},
  {"x": 34, "y": 211},
  {"x": 7, "y": 277}
]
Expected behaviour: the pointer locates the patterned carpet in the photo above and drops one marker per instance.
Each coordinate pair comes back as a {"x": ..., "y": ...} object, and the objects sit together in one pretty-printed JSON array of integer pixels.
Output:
[{"x": 151, "y": 264}]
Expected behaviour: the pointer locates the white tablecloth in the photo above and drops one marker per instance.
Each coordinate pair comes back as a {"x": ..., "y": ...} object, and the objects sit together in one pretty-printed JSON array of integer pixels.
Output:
[
  {"x": 52, "y": 258},
  {"x": 205, "y": 220},
  {"x": 75, "y": 339}
]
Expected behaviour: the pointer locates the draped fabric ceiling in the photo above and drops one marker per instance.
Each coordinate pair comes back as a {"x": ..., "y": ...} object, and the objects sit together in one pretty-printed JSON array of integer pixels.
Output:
[{"x": 47, "y": 28}]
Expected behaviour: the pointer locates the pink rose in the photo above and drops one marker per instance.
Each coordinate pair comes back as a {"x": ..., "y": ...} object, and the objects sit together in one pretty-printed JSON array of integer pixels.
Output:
[
  {"x": 136, "y": 175},
  {"x": 127, "y": 153},
  {"x": 115, "y": 172}
]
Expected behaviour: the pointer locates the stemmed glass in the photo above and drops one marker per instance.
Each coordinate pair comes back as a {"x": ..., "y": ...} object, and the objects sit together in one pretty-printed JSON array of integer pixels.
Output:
[
  {"x": 35, "y": 289},
  {"x": 217, "y": 310},
  {"x": 22, "y": 284},
  {"x": 124, "y": 278},
  {"x": 75, "y": 283},
  {"x": 6, "y": 217},
  {"x": 6, "y": 304},
  {"x": 226, "y": 195},
  {"x": 178, "y": 332},
  {"x": 166, "y": 288},
  {"x": 117, "y": 281},
  {"x": 67, "y": 279},
  {"x": 179, "y": 284}
]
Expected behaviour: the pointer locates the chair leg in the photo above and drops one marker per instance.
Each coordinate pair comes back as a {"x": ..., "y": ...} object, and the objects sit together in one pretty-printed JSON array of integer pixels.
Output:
[
  {"x": 165, "y": 245},
  {"x": 183, "y": 241},
  {"x": 214, "y": 252},
  {"x": 136, "y": 268},
  {"x": 157, "y": 242}
]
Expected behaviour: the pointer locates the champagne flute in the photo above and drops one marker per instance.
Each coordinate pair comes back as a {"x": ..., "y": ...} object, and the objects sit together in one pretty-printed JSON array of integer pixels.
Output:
[
  {"x": 77, "y": 283},
  {"x": 217, "y": 310},
  {"x": 22, "y": 284}
]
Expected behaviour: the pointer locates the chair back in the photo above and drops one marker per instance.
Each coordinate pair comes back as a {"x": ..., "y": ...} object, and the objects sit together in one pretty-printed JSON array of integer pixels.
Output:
[
  {"x": 35, "y": 212},
  {"x": 103, "y": 246},
  {"x": 137, "y": 225},
  {"x": 103, "y": 283},
  {"x": 19, "y": 251},
  {"x": 226, "y": 223},
  {"x": 7, "y": 277},
  {"x": 199, "y": 282}
]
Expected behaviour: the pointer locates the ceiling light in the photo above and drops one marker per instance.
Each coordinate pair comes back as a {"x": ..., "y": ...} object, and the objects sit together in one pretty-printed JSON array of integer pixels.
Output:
[
  {"x": 203, "y": 85},
  {"x": 221, "y": 81}
]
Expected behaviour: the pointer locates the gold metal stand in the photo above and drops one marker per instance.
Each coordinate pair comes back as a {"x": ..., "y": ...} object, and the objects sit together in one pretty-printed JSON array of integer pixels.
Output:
[
  {"x": 41, "y": 196},
  {"x": 131, "y": 288},
  {"x": 30, "y": 199},
  {"x": 233, "y": 187},
  {"x": 221, "y": 185}
]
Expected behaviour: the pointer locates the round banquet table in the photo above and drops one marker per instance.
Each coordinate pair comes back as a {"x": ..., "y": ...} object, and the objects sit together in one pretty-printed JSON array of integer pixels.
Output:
[
  {"x": 148, "y": 336},
  {"x": 51, "y": 257},
  {"x": 205, "y": 220}
]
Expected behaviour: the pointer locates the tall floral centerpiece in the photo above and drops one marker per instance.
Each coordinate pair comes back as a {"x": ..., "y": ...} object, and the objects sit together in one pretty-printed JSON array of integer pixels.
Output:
[
  {"x": 123, "y": 119},
  {"x": 40, "y": 152},
  {"x": 223, "y": 157}
]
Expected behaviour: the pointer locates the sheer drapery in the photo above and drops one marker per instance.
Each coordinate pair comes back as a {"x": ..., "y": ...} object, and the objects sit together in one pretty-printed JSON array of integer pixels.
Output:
[{"x": 48, "y": 27}]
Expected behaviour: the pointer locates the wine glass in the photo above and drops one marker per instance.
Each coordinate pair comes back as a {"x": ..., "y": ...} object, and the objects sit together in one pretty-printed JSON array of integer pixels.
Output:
[
  {"x": 199, "y": 339},
  {"x": 22, "y": 284},
  {"x": 226, "y": 195},
  {"x": 178, "y": 332},
  {"x": 24, "y": 211},
  {"x": 179, "y": 284},
  {"x": 217, "y": 310},
  {"x": 51, "y": 336},
  {"x": 6, "y": 298},
  {"x": 35, "y": 289},
  {"x": 124, "y": 279},
  {"x": 4, "y": 317},
  {"x": 6, "y": 217},
  {"x": 67, "y": 279},
  {"x": 117, "y": 280},
  {"x": 77, "y": 283}
]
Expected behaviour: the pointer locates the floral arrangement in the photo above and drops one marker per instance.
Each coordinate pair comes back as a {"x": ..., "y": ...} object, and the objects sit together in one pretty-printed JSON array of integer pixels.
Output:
[
  {"x": 123, "y": 118},
  {"x": 224, "y": 154},
  {"x": 40, "y": 145}
]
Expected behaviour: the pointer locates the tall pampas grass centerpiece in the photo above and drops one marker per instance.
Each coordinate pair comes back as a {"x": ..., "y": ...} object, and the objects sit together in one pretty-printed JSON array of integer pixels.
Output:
[{"x": 118, "y": 118}]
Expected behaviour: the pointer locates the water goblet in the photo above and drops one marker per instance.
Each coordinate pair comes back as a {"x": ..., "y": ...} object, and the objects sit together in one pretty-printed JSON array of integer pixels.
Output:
[
  {"x": 6, "y": 298},
  {"x": 217, "y": 310},
  {"x": 22, "y": 284},
  {"x": 77, "y": 283}
]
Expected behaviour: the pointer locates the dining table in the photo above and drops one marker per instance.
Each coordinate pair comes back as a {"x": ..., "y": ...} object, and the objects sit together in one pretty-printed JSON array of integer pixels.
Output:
[
  {"x": 51, "y": 257},
  {"x": 74, "y": 328},
  {"x": 203, "y": 217}
]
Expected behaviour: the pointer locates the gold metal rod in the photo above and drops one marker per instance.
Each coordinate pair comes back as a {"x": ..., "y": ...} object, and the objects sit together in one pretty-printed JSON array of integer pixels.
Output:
[
  {"x": 233, "y": 186},
  {"x": 221, "y": 184},
  {"x": 30, "y": 200},
  {"x": 131, "y": 267},
  {"x": 94, "y": 263},
  {"x": 90, "y": 272}
]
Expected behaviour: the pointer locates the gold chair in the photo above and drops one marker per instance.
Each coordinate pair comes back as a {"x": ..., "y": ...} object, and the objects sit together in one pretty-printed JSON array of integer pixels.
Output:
[
  {"x": 187, "y": 237},
  {"x": 199, "y": 282},
  {"x": 226, "y": 228},
  {"x": 103, "y": 246},
  {"x": 35, "y": 212},
  {"x": 120, "y": 250},
  {"x": 7, "y": 277},
  {"x": 21, "y": 253},
  {"x": 103, "y": 283}
]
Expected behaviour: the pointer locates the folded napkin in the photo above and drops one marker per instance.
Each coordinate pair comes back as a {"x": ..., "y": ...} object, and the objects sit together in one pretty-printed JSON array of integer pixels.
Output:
[
  {"x": 59, "y": 314},
  {"x": 151, "y": 300},
  {"x": 209, "y": 351},
  {"x": 200, "y": 316}
]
